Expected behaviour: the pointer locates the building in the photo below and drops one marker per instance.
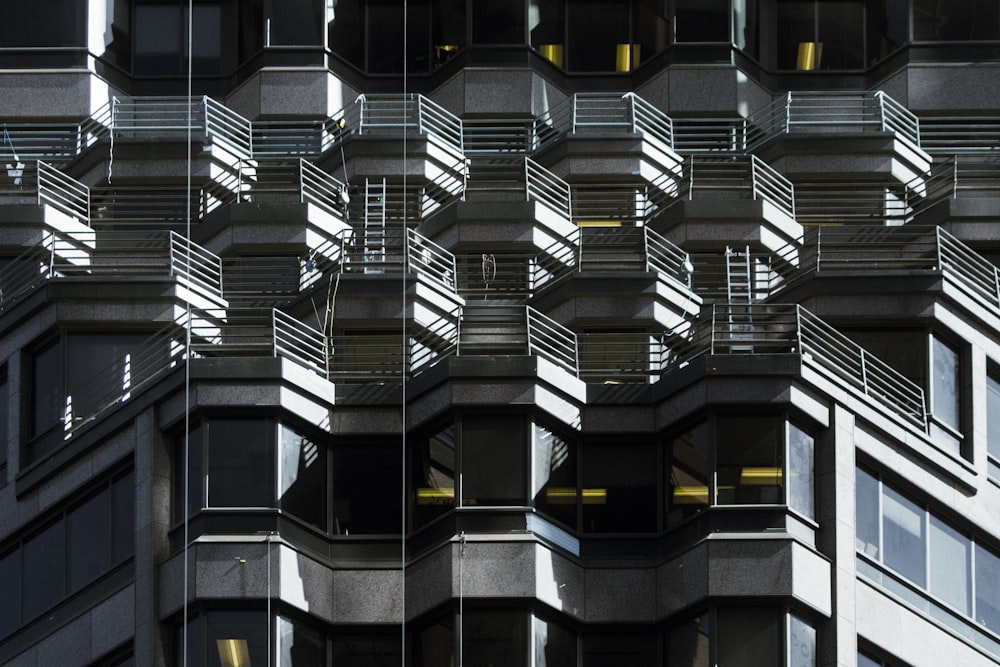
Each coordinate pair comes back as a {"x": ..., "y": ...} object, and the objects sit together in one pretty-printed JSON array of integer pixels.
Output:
[{"x": 548, "y": 333}]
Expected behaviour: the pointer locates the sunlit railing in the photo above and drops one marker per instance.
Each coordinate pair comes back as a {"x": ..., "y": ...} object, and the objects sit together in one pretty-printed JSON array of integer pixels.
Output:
[
  {"x": 426, "y": 258},
  {"x": 604, "y": 112},
  {"x": 616, "y": 358},
  {"x": 621, "y": 203},
  {"x": 739, "y": 177},
  {"x": 489, "y": 136},
  {"x": 954, "y": 135},
  {"x": 550, "y": 340},
  {"x": 63, "y": 193},
  {"x": 543, "y": 186},
  {"x": 820, "y": 111},
  {"x": 393, "y": 113},
  {"x": 790, "y": 329},
  {"x": 710, "y": 135},
  {"x": 283, "y": 138},
  {"x": 957, "y": 177},
  {"x": 821, "y": 203},
  {"x": 53, "y": 142}
]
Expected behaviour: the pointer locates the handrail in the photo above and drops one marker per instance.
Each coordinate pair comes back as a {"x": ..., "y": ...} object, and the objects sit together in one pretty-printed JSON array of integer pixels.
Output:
[
  {"x": 426, "y": 258},
  {"x": 194, "y": 265},
  {"x": 604, "y": 112},
  {"x": 550, "y": 340},
  {"x": 863, "y": 110},
  {"x": 953, "y": 135},
  {"x": 545, "y": 187},
  {"x": 300, "y": 343},
  {"x": 742, "y": 176},
  {"x": 379, "y": 113},
  {"x": 63, "y": 193},
  {"x": 322, "y": 189}
]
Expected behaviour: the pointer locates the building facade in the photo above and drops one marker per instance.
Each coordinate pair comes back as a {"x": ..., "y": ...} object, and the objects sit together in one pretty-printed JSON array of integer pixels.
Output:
[{"x": 499, "y": 332}]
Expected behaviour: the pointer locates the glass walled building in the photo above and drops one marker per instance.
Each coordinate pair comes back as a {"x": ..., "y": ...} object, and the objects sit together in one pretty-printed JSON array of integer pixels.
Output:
[{"x": 507, "y": 332}]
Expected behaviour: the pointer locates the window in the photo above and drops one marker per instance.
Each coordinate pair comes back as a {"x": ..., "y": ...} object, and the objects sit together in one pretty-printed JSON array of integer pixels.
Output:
[
  {"x": 993, "y": 423},
  {"x": 703, "y": 20},
  {"x": 596, "y": 30},
  {"x": 622, "y": 648},
  {"x": 63, "y": 23},
  {"x": 302, "y": 476},
  {"x": 366, "y": 489},
  {"x": 494, "y": 451},
  {"x": 955, "y": 569},
  {"x": 241, "y": 463},
  {"x": 160, "y": 39},
  {"x": 689, "y": 458},
  {"x": 498, "y": 22},
  {"x": 219, "y": 638},
  {"x": 749, "y": 460},
  {"x": 738, "y": 636},
  {"x": 5, "y": 438},
  {"x": 934, "y": 20},
  {"x": 74, "y": 549},
  {"x": 620, "y": 487},
  {"x": 946, "y": 384},
  {"x": 434, "y": 477},
  {"x": 554, "y": 488},
  {"x": 299, "y": 644}
]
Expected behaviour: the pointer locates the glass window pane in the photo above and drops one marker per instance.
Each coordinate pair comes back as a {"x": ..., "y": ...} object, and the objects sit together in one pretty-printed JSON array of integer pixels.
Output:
[
  {"x": 494, "y": 638},
  {"x": 345, "y": 31},
  {"x": 547, "y": 27},
  {"x": 554, "y": 488},
  {"x": 4, "y": 419},
  {"x": 302, "y": 484},
  {"x": 236, "y": 638},
  {"x": 494, "y": 451},
  {"x": 99, "y": 369},
  {"x": 703, "y": 20},
  {"x": 619, "y": 488},
  {"x": 157, "y": 39},
  {"x": 89, "y": 540},
  {"x": 294, "y": 21},
  {"x": 801, "y": 462},
  {"x": 945, "y": 387},
  {"x": 555, "y": 645},
  {"x": 61, "y": 24},
  {"x": 498, "y": 22},
  {"x": 241, "y": 463},
  {"x": 748, "y": 636},
  {"x": 43, "y": 570},
  {"x": 993, "y": 417},
  {"x": 366, "y": 489},
  {"x": 903, "y": 536},
  {"x": 749, "y": 453},
  {"x": 47, "y": 384},
  {"x": 434, "y": 477},
  {"x": 367, "y": 650},
  {"x": 840, "y": 29},
  {"x": 621, "y": 648},
  {"x": 689, "y": 473},
  {"x": 123, "y": 518},
  {"x": 434, "y": 646},
  {"x": 934, "y": 20},
  {"x": 949, "y": 565},
  {"x": 867, "y": 513},
  {"x": 802, "y": 643},
  {"x": 385, "y": 36},
  {"x": 10, "y": 592},
  {"x": 596, "y": 28},
  {"x": 987, "y": 589},
  {"x": 188, "y": 474},
  {"x": 299, "y": 646},
  {"x": 206, "y": 44},
  {"x": 865, "y": 661}
]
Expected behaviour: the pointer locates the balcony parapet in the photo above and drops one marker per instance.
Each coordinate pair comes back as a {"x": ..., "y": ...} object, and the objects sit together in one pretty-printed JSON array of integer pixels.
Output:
[{"x": 114, "y": 255}]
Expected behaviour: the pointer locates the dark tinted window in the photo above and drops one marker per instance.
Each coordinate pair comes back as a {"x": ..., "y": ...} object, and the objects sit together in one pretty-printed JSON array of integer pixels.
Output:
[{"x": 241, "y": 463}]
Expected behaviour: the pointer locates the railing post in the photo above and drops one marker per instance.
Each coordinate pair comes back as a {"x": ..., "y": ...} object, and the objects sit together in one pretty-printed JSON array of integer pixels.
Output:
[
  {"x": 302, "y": 182},
  {"x": 691, "y": 180},
  {"x": 573, "y": 114},
  {"x": 864, "y": 372},
  {"x": 880, "y": 96},
  {"x": 954, "y": 178},
  {"x": 527, "y": 180},
  {"x": 788, "y": 112},
  {"x": 274, "y": 333},
  {"x": 753, "y": 176}
]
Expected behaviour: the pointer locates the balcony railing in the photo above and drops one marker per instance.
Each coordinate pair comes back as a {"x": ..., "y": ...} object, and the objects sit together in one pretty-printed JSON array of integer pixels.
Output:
[
  {"x": 63, "y": 193},
  {"x": 790, "y": 329},
  {"x": 821, "y": 203},
  {"x": 393, "y": 113},
  {"x": 832, "y": 111},
  {"x": 550, "y": 340},
  {"x": 954, "y": 135},
  {"x": 605, "y": 112},
  {"x": 112, "y": 255},
  {"x": 739, "y": 177},
  {"x": 543, "y": 186},
  {"x": 958, "y": 177}
]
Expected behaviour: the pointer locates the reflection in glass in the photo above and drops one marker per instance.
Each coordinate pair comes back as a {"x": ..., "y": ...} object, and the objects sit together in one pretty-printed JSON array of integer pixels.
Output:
[
  {"x": 749, "y": 453},
  {"x": 555, "y": 645},
  {"x": 867, "y": 514},
  {"x": 801, "y": 644},
  {"x": 993, "y": 417},
  {"x": 89, "y": 540},
  {"x": 801, "y": 461},
  {"x": 689, "y": 474},
  {"x": 298, "y": 645},
  {"x": 434, "y": 476},
  {"x": 43, "y": 570},
  {"x": 903, "y": 536},
  {"x": 494, "y": 638},
  {"x": 987, "y": 589},
  {"x": 949, "y": 564},
  {"x": 302, "y": 478},
  {"x": 554, "y": 489},
  {"x": 934, "y": 20},
  {"x": 945, "y": 386},
  {"x": 236, "y": 632}
]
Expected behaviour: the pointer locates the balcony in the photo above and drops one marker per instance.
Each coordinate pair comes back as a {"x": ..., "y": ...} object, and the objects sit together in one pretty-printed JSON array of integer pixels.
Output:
[
  {"x": 115, "y": 256},
  {"x": 733, "y": 199},
  {"x": 592, "y": 135}
]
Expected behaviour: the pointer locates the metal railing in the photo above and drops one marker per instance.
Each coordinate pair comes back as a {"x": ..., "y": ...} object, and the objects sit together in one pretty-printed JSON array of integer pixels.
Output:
[
  {"x": 710, "y": 135},
  {"x": 280, "y": 138},
  {"x": 258, "y": 332},
  {"x": 791, "y": 329},
  {"x": 55, "y": 142},
  {"x": 954, "y": 135},
  {"x": 957, "y": 177},
  {"x": 320, "y": 188},
  {"x": 426, "y": 258},
  {"x": 969, "y": 271},
  {"x": 154, "y": 206},
  {"x": 194, "y": 265},
  {"x": 621, "y": 358},
  {"x": 604, "y": 112},
  {"x": 550, "y": 340},
  {"x": 737, "y": 177},
  {"x": 824, "y": 111},
  {"x": 393, "y": 113},
  {"x": 543, "y": 186},
  {"x": 171, "y": 115},
  {"x": 821, "y": 203},
  {"x": 621, "y": 203},
  {"x": 63, "y": 193},
  {"x": 497, "y": 136}
]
